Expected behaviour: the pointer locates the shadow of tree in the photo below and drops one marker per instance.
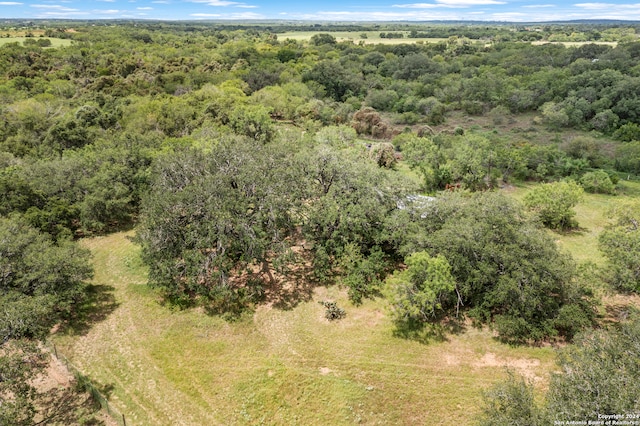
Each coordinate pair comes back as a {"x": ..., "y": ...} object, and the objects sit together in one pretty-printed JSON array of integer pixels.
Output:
[
  {"x": 99, "y": 303},
  {"x": 69, "y": 406},
  {"x": 290, "y": 287},
  {"x": 572, "y": 232},
  {"x": 286, "y": 295},
  {"x": 428, "y": 332}
]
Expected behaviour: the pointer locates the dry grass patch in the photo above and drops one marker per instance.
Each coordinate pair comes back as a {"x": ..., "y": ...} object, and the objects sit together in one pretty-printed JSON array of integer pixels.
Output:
[
  {"x": 165, "y": 367},
  {"x": 55, "y": 42}
]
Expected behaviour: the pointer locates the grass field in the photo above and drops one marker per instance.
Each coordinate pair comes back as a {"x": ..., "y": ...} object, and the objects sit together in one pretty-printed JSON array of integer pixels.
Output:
[
  {"x": 575, "y": 43},
  {"x": 591, "y": 214},
  {"x": 165, "y": 367},
  {"x": 372, "y": 37},
  {"x": 55, "y": 42}
]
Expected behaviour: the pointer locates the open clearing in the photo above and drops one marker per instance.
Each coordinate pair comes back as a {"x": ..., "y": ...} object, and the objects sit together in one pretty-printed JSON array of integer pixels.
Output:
[
  {"x": 575, "y": 43},
  {"x": 166, "y": 367},
  {"x": 372, "y": 37},
  {"x": 591, "y": 214},
  {"x": 55, "y": 42}
]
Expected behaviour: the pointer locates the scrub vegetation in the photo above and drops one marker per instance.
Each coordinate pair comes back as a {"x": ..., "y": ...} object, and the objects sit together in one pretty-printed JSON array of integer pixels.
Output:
[{"x": 294, "y": 224}]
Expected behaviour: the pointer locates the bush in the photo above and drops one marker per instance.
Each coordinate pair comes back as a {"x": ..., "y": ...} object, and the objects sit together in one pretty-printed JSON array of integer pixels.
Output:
[
  {"x": 423, "y": 291},
  {"x": 597, "y": 182},
  {"x": 553, "y": 202},
  {"x": 367, "y": 121},
  {"x": 384, "y": 154},
  {"x": 508, "y": 273},
  {"x": 627, "y": 132},
  {"x": 498, "y": 114},
  {"x": 620, "y": 244},
  {"x": 362, "y": 274},
  {"x": 597, "y": 375},
  {"x": 333, "y": 312},
  {"x": 511, "y": 402}
]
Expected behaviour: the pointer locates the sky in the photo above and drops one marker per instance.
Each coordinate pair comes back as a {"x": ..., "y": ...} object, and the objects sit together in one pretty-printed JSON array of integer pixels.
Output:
[{"x": 327, "y": 10}]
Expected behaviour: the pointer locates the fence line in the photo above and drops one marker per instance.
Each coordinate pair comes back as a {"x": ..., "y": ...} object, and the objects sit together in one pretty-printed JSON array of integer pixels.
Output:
[{"x": 85, "y": 383}]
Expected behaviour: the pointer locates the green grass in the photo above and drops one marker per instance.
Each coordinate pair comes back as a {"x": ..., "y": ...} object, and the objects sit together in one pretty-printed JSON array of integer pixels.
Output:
[
  {"x": 591, "y": 214},
  {"x": 575, "y": 43},
  {"x": 55, "y": 42},
  {"x": 165, "y": 367},
  {"x": 373, "y": 37}
]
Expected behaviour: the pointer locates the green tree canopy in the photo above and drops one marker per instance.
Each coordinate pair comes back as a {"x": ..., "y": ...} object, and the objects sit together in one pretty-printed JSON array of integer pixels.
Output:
[
  {"x": 419, "y": 292},
  {"x": 210, "y": 215},
  {"x": 508, "y": 272},
  {"x": 40, "y": 283},
  {"x": 553, "y": 202},
  {"x": 620, "y": 244}
]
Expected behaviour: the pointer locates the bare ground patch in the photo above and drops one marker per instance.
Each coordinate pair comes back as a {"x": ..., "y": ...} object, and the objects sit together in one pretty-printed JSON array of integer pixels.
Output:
[{"x": 61, "y": 402}]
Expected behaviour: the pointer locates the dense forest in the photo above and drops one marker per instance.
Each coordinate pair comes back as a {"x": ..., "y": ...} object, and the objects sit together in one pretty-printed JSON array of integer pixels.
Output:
[{"x": 241, "y": 157}]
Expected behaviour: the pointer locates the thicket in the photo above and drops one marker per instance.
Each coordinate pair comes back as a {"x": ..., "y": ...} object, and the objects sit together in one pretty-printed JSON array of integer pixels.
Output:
[
  {"x": 233, "y": 148},
  {"x": 41, "y": 284},
  {"x": 597, "y": 379}
]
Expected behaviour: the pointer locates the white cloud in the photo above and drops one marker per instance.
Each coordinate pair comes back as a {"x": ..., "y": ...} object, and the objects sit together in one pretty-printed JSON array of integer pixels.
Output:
[
  {"x": 593, "y": 6},
  {"x": 245, "y": 15},
  {"x": 144, "y": 8},
  {"x": 414, "y": 15},
  {"x": 508, "y": 16},
  {"x": 448, "y": 3},
  {"x": 228, "y": 16},
  {"x": 608, "y": 6},
  {"x": 217, "y": 3},
  {"x": 416, "y": 6},
  {"x": 469, "y": 2},
  {"x": 59, "y": 14},
  {"x": 54, "y": 7},
  {"x": 10, "y": 3}
]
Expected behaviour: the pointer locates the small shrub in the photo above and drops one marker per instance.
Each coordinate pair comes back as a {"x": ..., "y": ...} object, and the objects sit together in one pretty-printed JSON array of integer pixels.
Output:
[
  {"x": 333, "y": 312},
  {"x": 498, "y": 114},
  {"x": 384, "y": 154},
  {"x": 627, "y": 132},
  {"x": 473, "y": 107}
]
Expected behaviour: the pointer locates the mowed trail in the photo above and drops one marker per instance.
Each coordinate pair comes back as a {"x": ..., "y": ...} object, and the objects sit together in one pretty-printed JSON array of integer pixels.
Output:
[{"x": 162, "y": 366}]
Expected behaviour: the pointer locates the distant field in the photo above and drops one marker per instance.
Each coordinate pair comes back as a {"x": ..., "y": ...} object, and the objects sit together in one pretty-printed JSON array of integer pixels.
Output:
[
  {"x": 278, "y": 366},
  {"x": 55, "y": 42},
  {"x": 575, "y": 43},
  {"x": 373, "y": 37}
]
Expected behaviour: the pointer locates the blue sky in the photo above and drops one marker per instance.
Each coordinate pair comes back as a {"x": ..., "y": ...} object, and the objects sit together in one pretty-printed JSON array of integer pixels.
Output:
[{"x": 332, "y": 10}]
